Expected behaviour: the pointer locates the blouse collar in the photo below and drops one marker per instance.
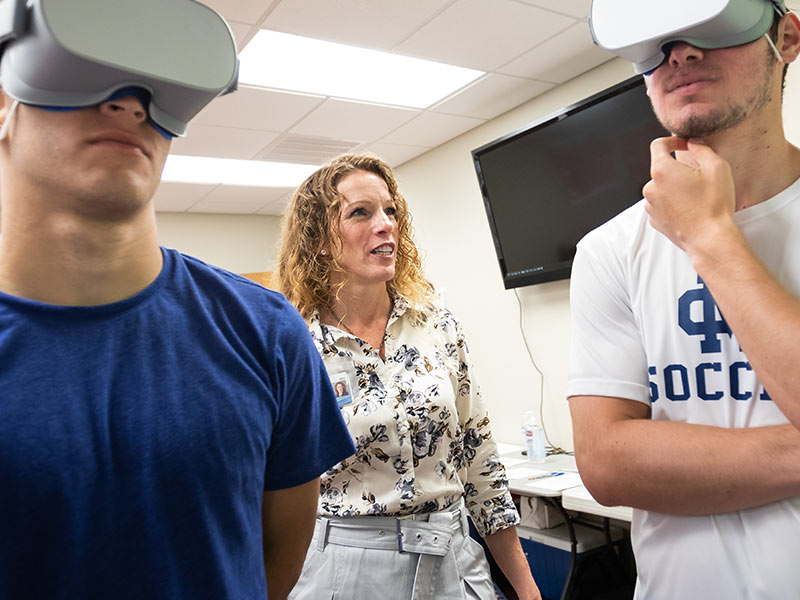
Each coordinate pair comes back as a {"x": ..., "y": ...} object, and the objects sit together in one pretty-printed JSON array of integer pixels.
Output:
[{"x": 327, "y": 335}]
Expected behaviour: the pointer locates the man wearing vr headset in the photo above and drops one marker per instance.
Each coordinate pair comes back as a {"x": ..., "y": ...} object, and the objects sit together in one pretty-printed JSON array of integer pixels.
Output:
[
  {"x": 161, "y": 420},
  {"x": 684, "y": 383}
]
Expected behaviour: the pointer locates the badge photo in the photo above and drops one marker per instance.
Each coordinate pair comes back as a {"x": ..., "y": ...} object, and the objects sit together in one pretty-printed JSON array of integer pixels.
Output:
[{"x": 342, "y": 388}]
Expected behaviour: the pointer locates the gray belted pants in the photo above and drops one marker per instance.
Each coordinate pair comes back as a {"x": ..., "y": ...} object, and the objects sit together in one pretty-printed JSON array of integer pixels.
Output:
[{"x": 422, "y": 557}]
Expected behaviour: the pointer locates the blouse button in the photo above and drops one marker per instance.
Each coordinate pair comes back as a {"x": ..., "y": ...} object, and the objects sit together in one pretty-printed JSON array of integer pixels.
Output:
[{"x": 381, "y": 532}]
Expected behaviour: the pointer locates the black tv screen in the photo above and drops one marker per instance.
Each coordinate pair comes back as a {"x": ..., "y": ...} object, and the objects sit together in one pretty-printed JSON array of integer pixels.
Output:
[{"x": 548, "y": 184}]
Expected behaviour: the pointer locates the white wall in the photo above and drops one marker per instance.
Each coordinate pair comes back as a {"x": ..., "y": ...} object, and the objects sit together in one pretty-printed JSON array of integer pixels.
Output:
[
  {"x": 453, "y": 232},
  {"x": 791, "y": 104},
  {"x": 239, "y": 243}
]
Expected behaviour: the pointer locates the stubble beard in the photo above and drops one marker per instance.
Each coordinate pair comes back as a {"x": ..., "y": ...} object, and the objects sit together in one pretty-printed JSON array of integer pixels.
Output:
[{"x": 726, "y": 117}]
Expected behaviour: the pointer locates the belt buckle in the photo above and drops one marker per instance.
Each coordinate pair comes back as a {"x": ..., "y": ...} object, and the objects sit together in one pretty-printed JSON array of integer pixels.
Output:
[
  {"x": 399, "y": 537},
  {"x": 411, "y": 517}
]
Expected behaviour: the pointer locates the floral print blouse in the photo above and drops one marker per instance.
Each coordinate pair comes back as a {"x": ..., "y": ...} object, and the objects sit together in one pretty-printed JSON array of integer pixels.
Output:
[{"x": 420, "y": 427}]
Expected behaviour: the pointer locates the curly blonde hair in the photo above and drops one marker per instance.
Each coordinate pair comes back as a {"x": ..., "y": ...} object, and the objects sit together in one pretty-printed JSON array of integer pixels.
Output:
[{"x": 304, "y": 275}]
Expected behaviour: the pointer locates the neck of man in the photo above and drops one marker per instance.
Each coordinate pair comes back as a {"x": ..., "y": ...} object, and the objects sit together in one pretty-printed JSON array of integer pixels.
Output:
[
  {"x": 762, "y": 160},
  {"x": 59, "y": 257}
]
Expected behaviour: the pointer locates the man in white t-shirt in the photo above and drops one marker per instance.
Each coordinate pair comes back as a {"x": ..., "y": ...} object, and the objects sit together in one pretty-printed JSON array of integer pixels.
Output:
[{"x": 684, "y": 379}]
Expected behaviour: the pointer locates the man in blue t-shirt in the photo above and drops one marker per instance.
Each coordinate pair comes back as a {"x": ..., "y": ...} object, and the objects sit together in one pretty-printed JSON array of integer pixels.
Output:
[{"x": 163, "y": 423}]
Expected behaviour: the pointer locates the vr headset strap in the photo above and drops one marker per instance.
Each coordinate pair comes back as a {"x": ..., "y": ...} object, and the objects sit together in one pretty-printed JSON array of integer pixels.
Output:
[
  {"x": 778, "y": 9},
  {"x": 13, "y": 19}
]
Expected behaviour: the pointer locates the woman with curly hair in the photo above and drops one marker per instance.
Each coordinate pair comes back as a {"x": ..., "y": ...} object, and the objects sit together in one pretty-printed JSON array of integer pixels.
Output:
[{"x": 392, "y": 520}]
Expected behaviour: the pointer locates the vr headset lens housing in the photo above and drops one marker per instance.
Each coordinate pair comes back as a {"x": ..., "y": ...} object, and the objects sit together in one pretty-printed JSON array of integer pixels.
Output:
[
  {"x": 76, "y": 53},
  {"x": 638, "y": 30}
]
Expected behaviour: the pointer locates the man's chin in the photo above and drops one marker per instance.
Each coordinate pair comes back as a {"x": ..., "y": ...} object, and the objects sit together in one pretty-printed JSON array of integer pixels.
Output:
[
  {"x": 699, "y": 121},
  {"x": 115, "y": 203},
  {"x": 701, "y": 127}
]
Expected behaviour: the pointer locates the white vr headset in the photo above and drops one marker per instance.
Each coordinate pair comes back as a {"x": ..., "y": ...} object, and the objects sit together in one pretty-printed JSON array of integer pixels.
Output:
[
  {"x": 65, "y": 54},
  {"x": 640, "y": 30}
]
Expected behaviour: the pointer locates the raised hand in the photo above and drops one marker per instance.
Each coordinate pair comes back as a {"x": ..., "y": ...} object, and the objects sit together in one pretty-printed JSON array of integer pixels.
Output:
[{"x": 691, "y": 196}]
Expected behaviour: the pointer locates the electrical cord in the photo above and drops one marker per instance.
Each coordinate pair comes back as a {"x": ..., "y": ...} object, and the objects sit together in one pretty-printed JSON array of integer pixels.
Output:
[{"x": 553, "y": 449}]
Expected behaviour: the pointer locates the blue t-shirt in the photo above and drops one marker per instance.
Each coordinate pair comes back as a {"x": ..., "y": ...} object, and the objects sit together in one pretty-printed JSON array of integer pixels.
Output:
[{"x": 137, "y": 438}]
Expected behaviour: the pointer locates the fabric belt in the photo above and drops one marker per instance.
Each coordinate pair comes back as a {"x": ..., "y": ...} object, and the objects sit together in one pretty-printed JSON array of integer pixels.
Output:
[
  {"x": 430, "y": 533},
  {"x": 431, "y": 536}
]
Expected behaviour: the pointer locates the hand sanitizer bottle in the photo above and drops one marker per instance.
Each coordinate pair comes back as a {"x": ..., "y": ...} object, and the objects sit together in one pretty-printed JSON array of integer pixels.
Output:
[{"x": 533, "y": 438}]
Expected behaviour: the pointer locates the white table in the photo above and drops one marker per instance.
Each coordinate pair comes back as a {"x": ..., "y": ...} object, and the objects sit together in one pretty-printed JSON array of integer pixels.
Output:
[
  {"x": 568, "y": 487},
  {"x": 564, "y": 491}
]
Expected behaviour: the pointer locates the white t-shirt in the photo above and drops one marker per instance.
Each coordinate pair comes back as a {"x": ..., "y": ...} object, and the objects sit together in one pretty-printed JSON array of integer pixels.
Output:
[{"x": 645, "y": 327}]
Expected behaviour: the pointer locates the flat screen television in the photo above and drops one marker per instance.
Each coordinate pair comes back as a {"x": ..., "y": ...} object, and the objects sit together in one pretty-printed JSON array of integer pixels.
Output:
[{"x": 547, "y": 184}]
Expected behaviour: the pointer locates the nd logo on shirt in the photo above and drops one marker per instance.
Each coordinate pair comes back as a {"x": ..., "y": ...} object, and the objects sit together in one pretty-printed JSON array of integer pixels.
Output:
[{"x": 718, "y": 372}]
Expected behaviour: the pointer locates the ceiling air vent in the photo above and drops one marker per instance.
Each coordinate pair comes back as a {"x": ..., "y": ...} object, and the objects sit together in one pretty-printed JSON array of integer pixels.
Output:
[{"x": 306, "y": 149}]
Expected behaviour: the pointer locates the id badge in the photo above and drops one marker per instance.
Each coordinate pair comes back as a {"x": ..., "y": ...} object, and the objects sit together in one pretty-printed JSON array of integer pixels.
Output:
[{"x": 342, "y": 373}]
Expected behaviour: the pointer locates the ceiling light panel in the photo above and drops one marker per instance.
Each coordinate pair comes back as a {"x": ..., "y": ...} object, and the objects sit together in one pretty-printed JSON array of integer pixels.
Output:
[
  {"x": 290, "y": 62},
  {"x": 229, "y": 171}
]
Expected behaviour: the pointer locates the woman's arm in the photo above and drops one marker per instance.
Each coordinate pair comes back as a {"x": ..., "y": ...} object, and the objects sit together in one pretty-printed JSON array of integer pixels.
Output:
[
  {"x": 507, "y": 552},
  {"x": 486, "y": 485}
]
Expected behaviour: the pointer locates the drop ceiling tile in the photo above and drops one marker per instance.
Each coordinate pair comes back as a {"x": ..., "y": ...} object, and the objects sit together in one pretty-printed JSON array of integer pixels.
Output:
[
  {"x": 222, "y": 142},
  {"x": 244, "y": 11},
  {"x": 575, "y": 8},
  {"x": 395, "y": 154},
  {"x": 241, "y": 33},
  {"x": 256, "y": 197},
  {"x": 368, "y": 23},
  {"x": 431, "y": 129},
  {"x": 483, "y": 35},
  {"x": 178, "y": 197},
  {"x": 255, "y": 108},
  {"x": 355, "y": 121},
  {"x": 492, "y": 96},
  {"x": 239, "y": 199},
  {"x": 561, "y": 58}
]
